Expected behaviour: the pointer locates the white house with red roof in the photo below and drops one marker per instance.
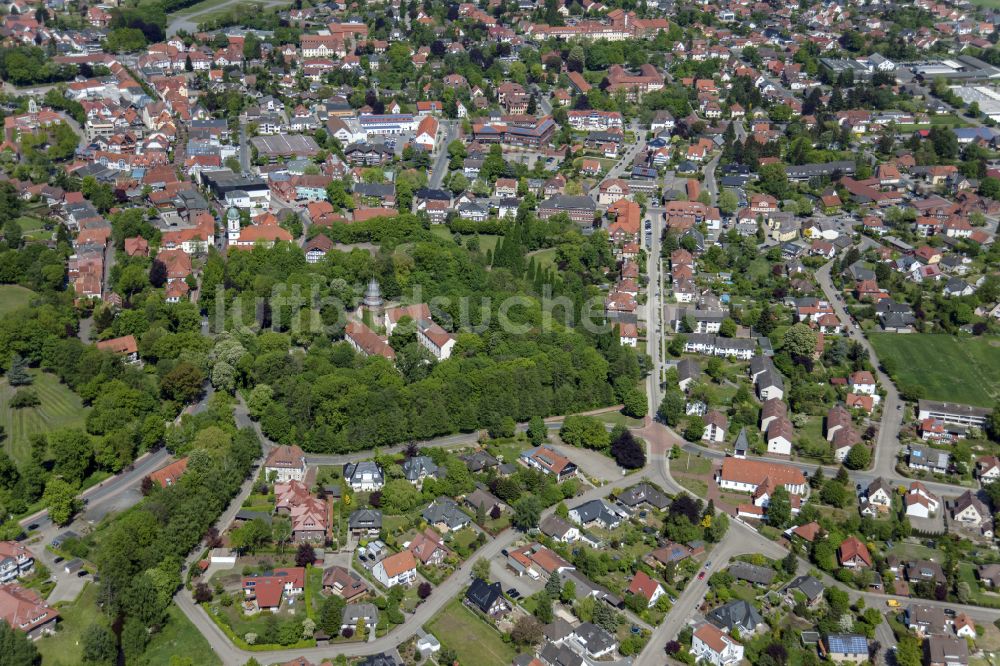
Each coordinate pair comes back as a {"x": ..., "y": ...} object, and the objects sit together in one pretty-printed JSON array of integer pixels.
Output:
[
  {"x": 708, "y": 643},
  {"x": 647, "y": 588}
]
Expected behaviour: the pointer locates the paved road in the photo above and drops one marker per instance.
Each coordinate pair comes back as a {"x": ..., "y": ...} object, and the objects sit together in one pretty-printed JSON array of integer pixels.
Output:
[
  {"x": 625, "y": 162},
  {"x": 887, "y": 446},
  {"x": 100, "y": 495},
  {"x": 244, "y": 145},
  {"x": 188, "y": 21},
  {"x": 711, "y": 186},
  {"x": 440, "y": 168},
  {"x": 685, "y": 610}
]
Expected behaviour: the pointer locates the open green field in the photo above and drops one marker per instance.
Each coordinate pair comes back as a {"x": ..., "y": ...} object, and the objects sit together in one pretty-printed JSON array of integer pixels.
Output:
[
  {"x": 60, "y": 408},
  {"x": 63, "y": 647},
  {"x": 179, "y": 638},
  {"x": 13, "y": 297},
  {"x": 33, "y": 228},
  {"x": 963, "y": 370},
  {"x": 544, "y": 258},
  {"x": 473, "y": 641},
  {"x": 487, "y": 242}
]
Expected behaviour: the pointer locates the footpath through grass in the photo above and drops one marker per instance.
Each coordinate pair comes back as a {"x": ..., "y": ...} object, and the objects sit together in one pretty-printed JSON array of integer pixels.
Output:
[{"x": 950, "y": 369}]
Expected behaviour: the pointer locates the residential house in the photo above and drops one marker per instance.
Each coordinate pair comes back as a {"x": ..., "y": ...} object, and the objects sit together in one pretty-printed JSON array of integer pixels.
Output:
[
  {"x": 739, "y": 615},
  {"x": 15, "y": 561},
  {"x": 927, "y": 459},
  {"x": 548, "y": 461},
  {"x": 268, "y": 589},
  {"x": 809, "y": 587},
  {"x": 643, "y": 494},
  {"x": 344, "y": 583},
  {"x": 398, "y": 569},
  {"x": 879, "y": 495},
  {"x": 558, "y": 529},
  {"x": 444, "y": 514},
  {"x": 487, "y": 598},
  {"x": 595, "y": 641},
  {"x": 715, "y": 426},
  {"x": 971, "y": 512},
  {"x": 417, "y": 468},
  {"x": 365, "y": 522},
  {"x": 847, "y": 647},
  {"x": 428, "y": 548},
  {"x": 710, "y": 644},
  {"x": 355, "y": 614},
  {"x": 24, "y": 610},
  {"x": 988, "y": 469},
  {"x": 947, "y": 651},
  {"x": 597, "y": 513},
  {"x": 751, "y": 573},
  {"x": 286, "y": 463},
  {"x": 647, "y": 588},
  {"x": 364, "y": 476},
  {"x": 925, "y": 620},
  {"x": 853, "y": 554}
]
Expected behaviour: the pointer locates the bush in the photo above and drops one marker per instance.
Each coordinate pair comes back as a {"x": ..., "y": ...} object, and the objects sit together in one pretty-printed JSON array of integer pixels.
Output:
[{"x": 25, "y": 397}]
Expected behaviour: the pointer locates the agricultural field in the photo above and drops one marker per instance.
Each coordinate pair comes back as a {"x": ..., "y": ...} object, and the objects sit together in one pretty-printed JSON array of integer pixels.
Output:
[
  {"x": 964, "y": 370},
  {"x": 60, "y": 408},
  {"x": 473, "y": 641}
]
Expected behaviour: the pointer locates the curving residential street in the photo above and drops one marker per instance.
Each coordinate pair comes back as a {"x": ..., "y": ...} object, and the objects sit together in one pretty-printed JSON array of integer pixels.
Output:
[{"x": 887, "y": 447}]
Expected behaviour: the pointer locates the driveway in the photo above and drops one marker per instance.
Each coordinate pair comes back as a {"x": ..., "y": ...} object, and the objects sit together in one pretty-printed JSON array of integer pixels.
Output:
[
  {"x": 68, "y": 586},
  {"x": 595, "y": 465}
]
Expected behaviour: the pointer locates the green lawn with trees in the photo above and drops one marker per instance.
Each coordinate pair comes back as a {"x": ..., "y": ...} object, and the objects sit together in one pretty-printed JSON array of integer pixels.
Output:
[
  {"x": 58, "y": 408},
  {"x": 964, "y": 370}
]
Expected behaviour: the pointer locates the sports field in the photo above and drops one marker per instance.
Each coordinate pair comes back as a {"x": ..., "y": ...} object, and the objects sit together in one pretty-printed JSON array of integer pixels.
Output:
[{"x": 964, "y": 370}]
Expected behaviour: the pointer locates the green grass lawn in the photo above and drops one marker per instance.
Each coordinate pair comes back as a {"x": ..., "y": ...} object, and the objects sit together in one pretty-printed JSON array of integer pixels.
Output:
[
  {"x": 544, "y": 258},
  {"x": 617, "y": 418},
  {"x": 965, "y": 370},
  {"x": 179, "y": 638},
  {"x": 13, "y": 297},
  {"x": 60, "y": 408},
  {"x": 34, "y": 228},
  {"x": 691, "y": 464},
  {"x": 696, "y": 486},
  {"x": 63, "y": 647},
  {"x": 473, "y": 641},
  {"x": 486, "y": 241}
]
